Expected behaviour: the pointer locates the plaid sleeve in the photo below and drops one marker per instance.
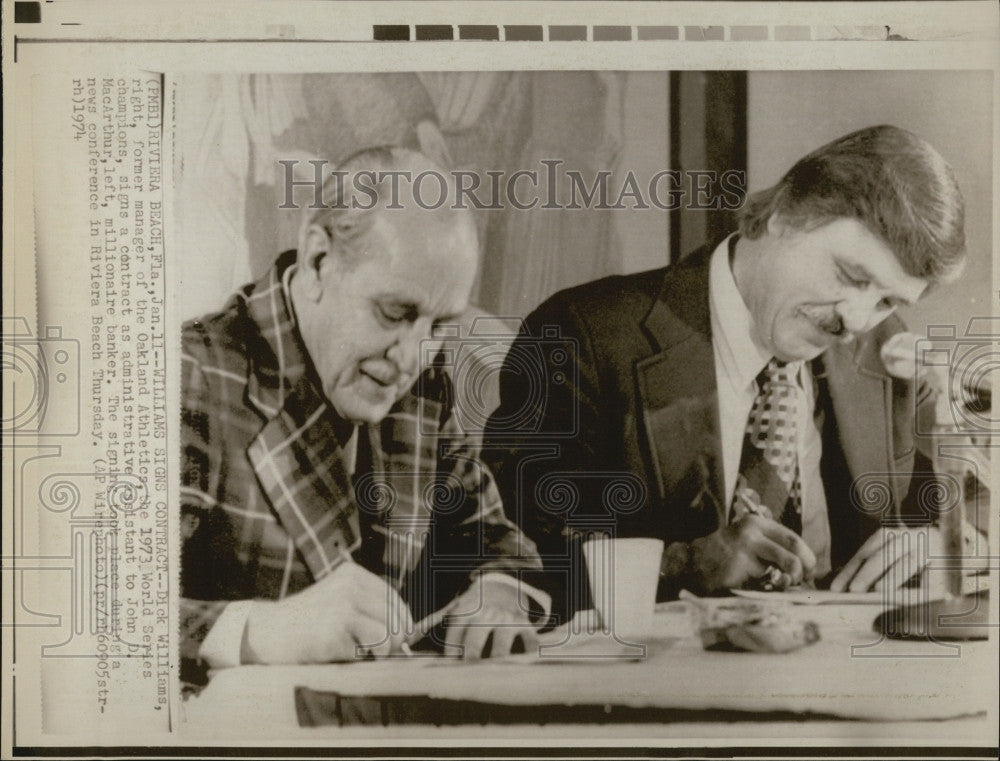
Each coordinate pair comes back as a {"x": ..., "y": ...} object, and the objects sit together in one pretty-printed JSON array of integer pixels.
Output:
[
  {"x": 196, "y": 619},
  {"x": 196, "y": 424},
  {"x": 478, "y": 523},
  {"x": 196, "y": 616},
  {"x": 210, "y": 572}
]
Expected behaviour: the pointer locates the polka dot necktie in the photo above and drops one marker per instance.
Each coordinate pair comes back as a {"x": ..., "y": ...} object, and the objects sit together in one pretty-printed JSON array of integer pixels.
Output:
[{"x": 768, "y": 482}]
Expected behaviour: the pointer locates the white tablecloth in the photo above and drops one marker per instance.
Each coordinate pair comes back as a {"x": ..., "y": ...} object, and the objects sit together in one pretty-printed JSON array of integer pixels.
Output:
[{"x": 851, "y": 674}]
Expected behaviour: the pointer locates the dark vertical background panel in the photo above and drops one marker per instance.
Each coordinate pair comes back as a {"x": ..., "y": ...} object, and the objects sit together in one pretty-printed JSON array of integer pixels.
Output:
[{"x": 708, "y": 118}]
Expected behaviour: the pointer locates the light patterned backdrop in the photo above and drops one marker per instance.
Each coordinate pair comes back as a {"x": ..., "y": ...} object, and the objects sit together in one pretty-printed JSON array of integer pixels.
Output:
[{"x": 233, "y": 130}]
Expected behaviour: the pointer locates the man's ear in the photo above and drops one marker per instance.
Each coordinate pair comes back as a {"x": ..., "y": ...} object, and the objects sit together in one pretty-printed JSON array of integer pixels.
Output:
[
  {"x": 313, "y": 249},
  {"x": 777, "y": 225}
]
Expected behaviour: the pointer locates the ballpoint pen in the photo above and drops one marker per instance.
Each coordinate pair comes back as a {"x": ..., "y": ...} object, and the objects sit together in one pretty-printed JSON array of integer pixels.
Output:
[
  {"x": 748, "y": 503},
  {"x": 424, "y": 625},
  {"x": 346, "y": 557}
]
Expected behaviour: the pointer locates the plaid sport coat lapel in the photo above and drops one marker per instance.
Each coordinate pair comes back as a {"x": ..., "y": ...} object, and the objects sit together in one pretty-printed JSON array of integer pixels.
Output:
[
  {"x": 405, "y": 477},
  {"x": 299, "y": 465},
  {"x": 297, "y": 455}
]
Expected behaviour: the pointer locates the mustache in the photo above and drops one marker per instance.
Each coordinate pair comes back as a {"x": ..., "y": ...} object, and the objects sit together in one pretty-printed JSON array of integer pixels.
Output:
[
  {"x": 384, "y": 372},
  {"x": 827, "y": 321}
]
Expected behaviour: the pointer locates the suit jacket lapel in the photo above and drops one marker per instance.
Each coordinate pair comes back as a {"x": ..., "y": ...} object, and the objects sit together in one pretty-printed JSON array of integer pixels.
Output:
[
  {"x": 404, "y": 478},
  {"x": 404, "y": 450},
  {"x": 299, "y": 465},
  {"x": 861, "y": 401},
  {"x": 861, "y": 395},
  {"x": 677, "y": 392}
]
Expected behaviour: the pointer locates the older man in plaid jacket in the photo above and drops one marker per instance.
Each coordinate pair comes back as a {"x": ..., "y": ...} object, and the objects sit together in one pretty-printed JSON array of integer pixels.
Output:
[{"x": 325, "y": 479}]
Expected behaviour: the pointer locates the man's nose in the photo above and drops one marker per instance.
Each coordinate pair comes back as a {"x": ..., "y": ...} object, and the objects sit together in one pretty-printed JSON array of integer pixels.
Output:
[
  {"x": 860, "y": 311},
  {"x": 411, "y": 343}
]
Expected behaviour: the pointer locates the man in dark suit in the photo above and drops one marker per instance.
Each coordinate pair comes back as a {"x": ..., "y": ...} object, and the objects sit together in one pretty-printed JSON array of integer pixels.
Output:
[
  {"x": 327, "y": 492},
  {"x": 736, "y": 404}
]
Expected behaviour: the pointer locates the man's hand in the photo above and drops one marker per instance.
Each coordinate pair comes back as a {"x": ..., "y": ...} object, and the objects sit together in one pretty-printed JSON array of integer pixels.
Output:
[
  {"x": 487, "y": 620},
  {"x": 743, "y": 550},
  {"x": 348, "y": 609},
  {"x": 891, "y": 557}
]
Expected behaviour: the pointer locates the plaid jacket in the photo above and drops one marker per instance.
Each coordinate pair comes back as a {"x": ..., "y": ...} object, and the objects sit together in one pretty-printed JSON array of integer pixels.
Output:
[{"x": 267, "y": 505}]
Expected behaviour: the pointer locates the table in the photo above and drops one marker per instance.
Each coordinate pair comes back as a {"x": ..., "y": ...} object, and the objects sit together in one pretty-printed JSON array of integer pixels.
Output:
[{"x": 851, "y": 687}]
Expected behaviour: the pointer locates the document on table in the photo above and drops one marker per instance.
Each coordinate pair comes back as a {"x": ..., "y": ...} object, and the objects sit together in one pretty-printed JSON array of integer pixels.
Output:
[
  {"x": 815, "y": 596},
  {"x": 972, "y": 584}
]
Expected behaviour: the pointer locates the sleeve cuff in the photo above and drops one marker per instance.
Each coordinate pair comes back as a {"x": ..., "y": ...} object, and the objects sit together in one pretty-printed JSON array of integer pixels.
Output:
[
  {"x": 222, "y": 647},
  {"x": 541, "y": 599},
  {"x": 676, "y": 572}
]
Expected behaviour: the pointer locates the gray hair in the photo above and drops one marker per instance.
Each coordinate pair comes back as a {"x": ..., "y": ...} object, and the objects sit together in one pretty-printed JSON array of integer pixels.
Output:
[
  {"x": 368, "y": 183},
  {"x": 892, "y": 181}
]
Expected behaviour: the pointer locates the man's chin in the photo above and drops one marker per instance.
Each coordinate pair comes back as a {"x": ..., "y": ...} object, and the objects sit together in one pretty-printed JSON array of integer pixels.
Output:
[
  {"x": 802, "y": 351},
  {"x": 359, "y": 411}
]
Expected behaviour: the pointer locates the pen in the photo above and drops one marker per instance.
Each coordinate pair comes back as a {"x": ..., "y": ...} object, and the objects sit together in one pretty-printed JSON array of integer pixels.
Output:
[
  {"x": 424, "y": 625},
  {"x": 346, "y": 557},
  {"x": 773, "y": 576}
]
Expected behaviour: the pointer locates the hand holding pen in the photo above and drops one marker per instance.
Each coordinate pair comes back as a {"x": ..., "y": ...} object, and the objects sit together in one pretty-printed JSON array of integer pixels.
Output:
[
  {"x": 348, "y": 614},
  {"x": 752, "y": 548}
]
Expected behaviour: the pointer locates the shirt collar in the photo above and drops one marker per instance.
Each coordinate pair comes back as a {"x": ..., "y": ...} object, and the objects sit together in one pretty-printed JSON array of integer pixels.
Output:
[
  {"x": 741, "y": 356},
  {"x": 286, "y": 289},
  {"x": 278, "y": 357}
]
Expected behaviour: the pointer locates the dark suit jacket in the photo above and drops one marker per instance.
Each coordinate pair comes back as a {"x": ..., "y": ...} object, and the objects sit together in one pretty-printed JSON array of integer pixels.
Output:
[{"x": 609, "y": 418}]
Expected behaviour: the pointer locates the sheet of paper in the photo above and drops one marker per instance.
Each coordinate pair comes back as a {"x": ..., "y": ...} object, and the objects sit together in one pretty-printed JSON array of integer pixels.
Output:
[
  {"x": 972, "y": 584},
  {"x": 814, "y": 596}
]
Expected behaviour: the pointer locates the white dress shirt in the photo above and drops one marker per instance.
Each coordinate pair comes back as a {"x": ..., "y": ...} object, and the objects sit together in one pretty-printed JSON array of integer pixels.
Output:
[{"x": 739, "y": 358}]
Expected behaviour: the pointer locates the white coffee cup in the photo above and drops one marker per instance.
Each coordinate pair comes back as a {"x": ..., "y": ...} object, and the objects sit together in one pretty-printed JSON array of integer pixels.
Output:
[{"x": 623, "y": 575}]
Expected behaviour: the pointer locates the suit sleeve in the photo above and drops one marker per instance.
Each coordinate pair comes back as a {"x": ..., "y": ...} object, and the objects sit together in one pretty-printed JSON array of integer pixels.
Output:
[{"x": 543, "y": 445}]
